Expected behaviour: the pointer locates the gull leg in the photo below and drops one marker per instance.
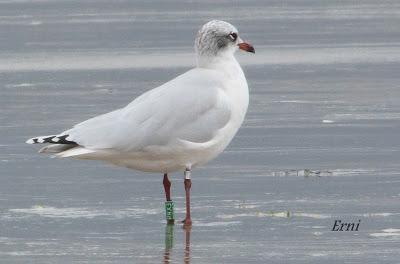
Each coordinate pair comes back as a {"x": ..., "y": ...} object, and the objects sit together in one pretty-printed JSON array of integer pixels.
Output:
[
  {"x": 167, "y": 190},
  {"x": 167, "y": 187},
  {"x": 188, "y": 185}
]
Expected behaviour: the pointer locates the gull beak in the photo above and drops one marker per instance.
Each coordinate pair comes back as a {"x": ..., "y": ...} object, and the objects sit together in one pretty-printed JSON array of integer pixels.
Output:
[{"x": 246, "y": 47}]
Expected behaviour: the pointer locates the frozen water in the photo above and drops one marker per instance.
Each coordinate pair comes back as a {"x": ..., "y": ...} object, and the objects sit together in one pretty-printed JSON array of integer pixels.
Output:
[{"x": 320, "y": 141}]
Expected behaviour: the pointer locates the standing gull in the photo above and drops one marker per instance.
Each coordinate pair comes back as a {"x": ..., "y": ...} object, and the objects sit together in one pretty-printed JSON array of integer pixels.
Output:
[{"x": 181, "y": 124}]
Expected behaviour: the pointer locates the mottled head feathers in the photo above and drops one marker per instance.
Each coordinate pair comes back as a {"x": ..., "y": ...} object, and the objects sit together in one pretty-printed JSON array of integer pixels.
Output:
[{"x": 216, "y": 37}]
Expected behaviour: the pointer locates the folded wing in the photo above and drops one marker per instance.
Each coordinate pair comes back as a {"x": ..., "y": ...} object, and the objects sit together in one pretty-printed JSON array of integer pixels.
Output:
[{"x": 191, "y": 107}]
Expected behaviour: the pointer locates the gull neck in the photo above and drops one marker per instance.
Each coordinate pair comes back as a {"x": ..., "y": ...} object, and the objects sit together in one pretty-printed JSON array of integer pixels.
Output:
[{"x": 222, "y": 61}]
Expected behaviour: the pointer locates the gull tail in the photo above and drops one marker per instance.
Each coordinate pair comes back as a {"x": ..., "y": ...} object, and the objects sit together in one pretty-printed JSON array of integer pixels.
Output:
[
  {"x": 58, "y": 143},
  {"x": 76, "y": 152},
  {"x": 56, "y": 148},
  {"x": 61, "y": 146}
]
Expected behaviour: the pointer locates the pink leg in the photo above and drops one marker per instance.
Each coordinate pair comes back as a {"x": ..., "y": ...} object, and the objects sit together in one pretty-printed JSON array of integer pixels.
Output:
[
  {"x": 188, "y": 185},
  {"x": 167, "y": 189}
]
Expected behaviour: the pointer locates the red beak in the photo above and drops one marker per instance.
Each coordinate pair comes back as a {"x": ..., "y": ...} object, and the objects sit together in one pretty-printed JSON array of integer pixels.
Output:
[{"x": 246, "y": 47}]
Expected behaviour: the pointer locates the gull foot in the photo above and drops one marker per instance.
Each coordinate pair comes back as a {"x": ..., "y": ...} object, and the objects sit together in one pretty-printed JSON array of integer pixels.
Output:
[{"x": 187, "y": 222}]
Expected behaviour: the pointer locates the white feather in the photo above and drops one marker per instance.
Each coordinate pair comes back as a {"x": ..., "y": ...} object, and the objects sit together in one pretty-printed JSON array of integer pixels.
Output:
[
  {"x": 182, "y": 123},
  {"x": 191, "y": 107},
  {"x": 56, "y": 148},
  {"x": 30, "y": 141},
  {"x": 77, "y": 151}
]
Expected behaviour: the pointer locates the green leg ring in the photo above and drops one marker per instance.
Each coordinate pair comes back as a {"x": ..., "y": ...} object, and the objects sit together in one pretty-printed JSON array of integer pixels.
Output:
[{"x": 169, "y": 212}]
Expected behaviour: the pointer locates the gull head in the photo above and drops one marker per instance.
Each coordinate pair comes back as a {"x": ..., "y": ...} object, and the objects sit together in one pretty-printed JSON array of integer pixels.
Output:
[{"x": 219, "y": 38}]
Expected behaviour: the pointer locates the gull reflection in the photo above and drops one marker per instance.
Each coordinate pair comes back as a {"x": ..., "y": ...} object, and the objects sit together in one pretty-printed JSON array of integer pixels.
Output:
[
  {"x": 169, "y": 243},
  {"x": 186, "y": 258}
]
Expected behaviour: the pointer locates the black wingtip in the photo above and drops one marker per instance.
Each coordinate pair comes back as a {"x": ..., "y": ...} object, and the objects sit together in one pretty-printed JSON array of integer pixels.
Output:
[{"x": 51, "y": 139}]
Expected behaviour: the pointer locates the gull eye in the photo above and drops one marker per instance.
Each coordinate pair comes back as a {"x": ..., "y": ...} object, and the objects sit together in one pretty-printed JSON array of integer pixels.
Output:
[{"x": 233, "y": 36}]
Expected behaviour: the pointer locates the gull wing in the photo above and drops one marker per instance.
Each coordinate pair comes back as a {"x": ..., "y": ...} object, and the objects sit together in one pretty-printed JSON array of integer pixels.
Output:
[{"x": 191, "y": 107}]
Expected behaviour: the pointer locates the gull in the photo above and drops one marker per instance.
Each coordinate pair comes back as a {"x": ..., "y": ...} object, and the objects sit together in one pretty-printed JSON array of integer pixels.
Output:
[{"x": 177, "y": 126}]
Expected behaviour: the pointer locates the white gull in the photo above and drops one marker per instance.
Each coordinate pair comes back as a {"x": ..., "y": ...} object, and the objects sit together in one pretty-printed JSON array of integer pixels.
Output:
[{"x": 181, "y": 124}]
